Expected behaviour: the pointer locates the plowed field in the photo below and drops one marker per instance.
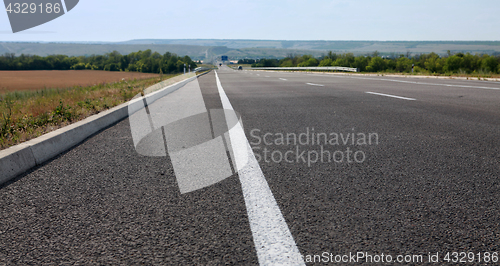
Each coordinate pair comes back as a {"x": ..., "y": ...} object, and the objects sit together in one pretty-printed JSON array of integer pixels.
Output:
[{"x": 35, "y": 80}]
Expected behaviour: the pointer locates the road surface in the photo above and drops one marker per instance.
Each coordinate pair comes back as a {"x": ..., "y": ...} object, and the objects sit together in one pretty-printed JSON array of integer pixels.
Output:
[{"x": 421, "y": 177}]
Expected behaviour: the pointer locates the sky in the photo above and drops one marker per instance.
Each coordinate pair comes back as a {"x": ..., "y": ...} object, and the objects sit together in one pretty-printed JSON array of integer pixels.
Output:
[{"x": 383, "y": 20}]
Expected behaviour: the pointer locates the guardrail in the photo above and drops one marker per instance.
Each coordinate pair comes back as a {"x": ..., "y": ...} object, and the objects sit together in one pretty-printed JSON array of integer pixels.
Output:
[{"x": 350, "y": 69}]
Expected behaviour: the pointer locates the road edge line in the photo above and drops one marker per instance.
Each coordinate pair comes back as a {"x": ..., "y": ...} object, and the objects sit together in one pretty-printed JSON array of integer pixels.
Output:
[
  {"x": 273, "y": 240},
  {"x": 392, "y": 96}
]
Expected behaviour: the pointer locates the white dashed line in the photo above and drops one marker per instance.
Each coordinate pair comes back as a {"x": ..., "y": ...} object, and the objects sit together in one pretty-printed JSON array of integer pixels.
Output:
[
  {"x": 393, "y": 96},
  {"x": 312, "y": 84},
  {"x": 273, "y": 241},
  {"x": 415, "y": 82},
  {"x": 283, "y": 79},
  {"x": 439, "y": 84}
]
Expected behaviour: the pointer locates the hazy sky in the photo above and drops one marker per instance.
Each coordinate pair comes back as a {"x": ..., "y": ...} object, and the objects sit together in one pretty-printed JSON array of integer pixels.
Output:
[{"x": 121, "y": 20}]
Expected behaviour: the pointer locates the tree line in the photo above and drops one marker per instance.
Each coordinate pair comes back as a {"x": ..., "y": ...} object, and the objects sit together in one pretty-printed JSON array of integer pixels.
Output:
[
  {"x": 246, "y": 61},
  {"x": 141, "y": 61},
  {"x": 432, "y": 63}
]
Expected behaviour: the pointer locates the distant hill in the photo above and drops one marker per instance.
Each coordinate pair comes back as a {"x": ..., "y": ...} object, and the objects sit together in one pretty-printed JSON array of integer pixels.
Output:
[
  {"x": 77, "y": 49},
  {"x": 357, "y": 47},
  {"x": 196, "y": 52},
  {"x": 236, "y": 49}
]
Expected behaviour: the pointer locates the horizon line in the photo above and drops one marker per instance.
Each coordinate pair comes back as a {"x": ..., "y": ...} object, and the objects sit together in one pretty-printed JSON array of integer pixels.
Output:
[{"x": 186, "y": 39}]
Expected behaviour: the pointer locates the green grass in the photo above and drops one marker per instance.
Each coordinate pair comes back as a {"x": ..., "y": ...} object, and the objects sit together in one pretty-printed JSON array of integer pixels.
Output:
[{"x": 28, "y": 114}]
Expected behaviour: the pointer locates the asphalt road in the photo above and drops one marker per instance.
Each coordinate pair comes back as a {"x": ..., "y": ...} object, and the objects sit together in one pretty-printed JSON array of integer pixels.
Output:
[{"x": 428, "y": 184}]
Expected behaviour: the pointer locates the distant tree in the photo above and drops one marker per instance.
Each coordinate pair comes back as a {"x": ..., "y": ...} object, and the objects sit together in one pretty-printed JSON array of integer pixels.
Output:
[
  {"x": 287, "y": 62},
  {"x": 490, "y": 63},
  {"x": 309, "y": 62},
  {"x": 344, "y": 60},
  {"x": 266, "y": 63},
  {"x": 376, "y": 64},
  {"x": 332, "y": 56},
  {"x": 78, "y": 66},
  {"x": 452, "y": 64},
  {"x": 403, "y": 64},
  {"x": 246, "y": 61},
  {"x": 111, "y": 67},
  {"x": 361, "y": 62},
  {"x": 326, "y": 62},
  {"x": 434, "y": 63}
]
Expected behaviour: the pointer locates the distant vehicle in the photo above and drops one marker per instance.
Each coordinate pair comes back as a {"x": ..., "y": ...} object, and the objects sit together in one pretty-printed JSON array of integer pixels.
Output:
[
  {"x": 240, "y": 68},
  {"x": 220, "y": 64}
]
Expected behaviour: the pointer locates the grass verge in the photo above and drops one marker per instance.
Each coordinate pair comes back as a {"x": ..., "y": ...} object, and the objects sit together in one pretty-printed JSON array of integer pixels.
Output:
[{"x": 25, "y": 115}]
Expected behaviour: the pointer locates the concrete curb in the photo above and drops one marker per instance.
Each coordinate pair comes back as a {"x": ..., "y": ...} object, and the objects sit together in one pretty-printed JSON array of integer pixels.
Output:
[{"x": 20, "y": 158}]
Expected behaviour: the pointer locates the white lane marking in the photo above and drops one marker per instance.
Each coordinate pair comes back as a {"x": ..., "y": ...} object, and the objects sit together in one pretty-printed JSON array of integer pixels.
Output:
[
  {"x": 272, "y": 238},
  {"x": 393, "y": 96},
  {"x": 267, "y": 76},
  {"x": 487, "y": 81},
  {"x": 414, "y": 82},
  {"x": 438, "y": 84},
  {"x": 258, "y": 74},
  {"x": 283, "y": 79},
  {"x": 312, "y": 84}
]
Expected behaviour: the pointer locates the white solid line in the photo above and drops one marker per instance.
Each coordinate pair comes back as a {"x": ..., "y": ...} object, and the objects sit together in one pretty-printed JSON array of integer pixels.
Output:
[
  {"x": 416, "y": 82},
  {"x": 283, "y": 79},
  {"x": 273, "y": 241},
  {"x": 393, "y": 96},
  {"x": 441, "y": 84},
  {"x": 312, "y": 84}
]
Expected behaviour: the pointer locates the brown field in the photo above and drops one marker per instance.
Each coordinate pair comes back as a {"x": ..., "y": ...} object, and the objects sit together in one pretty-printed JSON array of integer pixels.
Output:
[{"x": 35, "y": 80}]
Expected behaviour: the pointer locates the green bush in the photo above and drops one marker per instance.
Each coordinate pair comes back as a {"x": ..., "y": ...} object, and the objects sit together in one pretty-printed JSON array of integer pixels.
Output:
[
  {"x": 490, "y": 64},
  {"x": 325, "y": 62},
  {"x": 309, "y": 63},
  {"x": 376, "y": 64},
  {"x": 78, "y": 66},
  {"x": 142, "y": 61},
  {"x": 450, "y": 64}
]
